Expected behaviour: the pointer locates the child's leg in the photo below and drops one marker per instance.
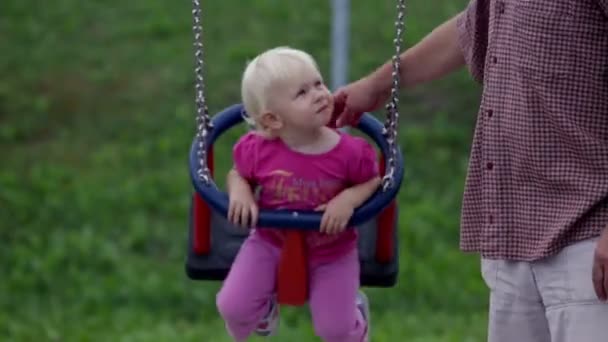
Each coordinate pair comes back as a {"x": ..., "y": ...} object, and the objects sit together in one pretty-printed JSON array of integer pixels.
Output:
[
  {"x": 245, "y": 295},
  {"x": 333, "y": 300}
]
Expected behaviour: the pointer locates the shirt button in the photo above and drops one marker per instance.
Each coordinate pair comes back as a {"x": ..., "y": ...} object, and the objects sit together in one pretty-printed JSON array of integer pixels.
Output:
[
  {"x": 500, "y": 7},
  {"x": 490, "y": 165}
]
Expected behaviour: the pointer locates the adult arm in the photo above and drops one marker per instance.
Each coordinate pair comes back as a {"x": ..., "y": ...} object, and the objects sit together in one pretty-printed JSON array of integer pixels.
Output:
[{"x": 460, "y": 40}]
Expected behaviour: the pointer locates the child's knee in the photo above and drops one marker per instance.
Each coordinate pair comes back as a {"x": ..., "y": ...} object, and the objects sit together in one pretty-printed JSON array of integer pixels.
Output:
[{"x": 230, "y": 308}]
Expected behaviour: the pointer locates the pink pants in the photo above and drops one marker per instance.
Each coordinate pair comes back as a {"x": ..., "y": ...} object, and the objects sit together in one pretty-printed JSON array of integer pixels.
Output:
[{"x": 244, "y": 297}]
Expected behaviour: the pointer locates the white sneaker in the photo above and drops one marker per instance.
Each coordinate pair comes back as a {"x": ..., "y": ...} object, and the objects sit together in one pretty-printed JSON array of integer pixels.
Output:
[
  {"x": 269, "y": 324},
  {"x": 363, "y": 306}
]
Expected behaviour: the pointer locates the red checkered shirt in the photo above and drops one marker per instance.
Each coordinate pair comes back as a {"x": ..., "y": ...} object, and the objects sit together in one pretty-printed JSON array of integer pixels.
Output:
[{"x": 538, "y": 169}]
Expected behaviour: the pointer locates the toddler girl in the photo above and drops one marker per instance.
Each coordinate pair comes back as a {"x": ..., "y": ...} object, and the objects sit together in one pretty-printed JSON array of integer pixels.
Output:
[{"x": 298, "y": 163}]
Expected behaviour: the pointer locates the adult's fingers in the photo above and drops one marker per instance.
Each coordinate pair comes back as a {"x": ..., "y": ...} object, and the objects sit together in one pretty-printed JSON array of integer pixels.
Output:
[
  {"x": 340, "y": 97},
  {"x": 605, "y": 276},
  {"x": 600, "y": 280},
  {"x": 339, "y": 107}
]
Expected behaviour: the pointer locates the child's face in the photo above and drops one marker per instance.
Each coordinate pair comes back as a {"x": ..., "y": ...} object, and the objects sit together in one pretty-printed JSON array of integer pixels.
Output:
[{"x": 303, "y": 103}]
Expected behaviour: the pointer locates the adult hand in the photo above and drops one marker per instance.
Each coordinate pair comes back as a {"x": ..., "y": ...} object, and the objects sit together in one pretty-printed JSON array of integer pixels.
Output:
[
  {"x": 600, "y": 267},
  {"x": 352, "y": 100}
]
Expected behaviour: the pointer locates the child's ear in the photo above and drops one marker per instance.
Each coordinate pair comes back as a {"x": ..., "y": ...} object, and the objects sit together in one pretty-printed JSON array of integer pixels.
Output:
[{"x": 271, "y": 121}]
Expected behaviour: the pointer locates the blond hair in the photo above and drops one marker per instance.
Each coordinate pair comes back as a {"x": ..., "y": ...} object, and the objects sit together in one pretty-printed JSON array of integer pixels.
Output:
[{"x": 266, "y": 71}]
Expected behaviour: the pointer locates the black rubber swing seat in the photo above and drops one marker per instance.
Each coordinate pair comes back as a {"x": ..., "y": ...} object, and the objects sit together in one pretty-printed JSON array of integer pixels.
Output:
[{"x": 213, "y": 242}]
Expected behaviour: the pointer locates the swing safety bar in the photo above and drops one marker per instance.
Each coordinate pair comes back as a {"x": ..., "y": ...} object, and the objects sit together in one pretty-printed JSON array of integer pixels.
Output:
[{"x": 305, "y": 220}]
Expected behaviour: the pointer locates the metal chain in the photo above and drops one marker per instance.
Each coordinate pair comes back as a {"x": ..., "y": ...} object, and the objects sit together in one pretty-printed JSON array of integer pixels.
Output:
[
  {"x": 203, "y": 120},
  {"x": 392, "y": 121}
]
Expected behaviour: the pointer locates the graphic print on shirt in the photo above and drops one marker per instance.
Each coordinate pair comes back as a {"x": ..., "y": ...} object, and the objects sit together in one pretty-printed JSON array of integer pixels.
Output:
[{"x": 285, "y": 187}]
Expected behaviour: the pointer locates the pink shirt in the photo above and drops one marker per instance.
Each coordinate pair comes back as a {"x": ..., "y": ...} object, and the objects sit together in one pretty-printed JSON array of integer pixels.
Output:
[{"x": 292, "y": 180}]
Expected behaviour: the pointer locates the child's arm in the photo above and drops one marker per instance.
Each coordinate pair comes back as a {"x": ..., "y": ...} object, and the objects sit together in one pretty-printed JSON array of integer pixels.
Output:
[
  {"x": 339, "y": 209},
  {"x": 358, "y": 194},
  {"x": 242, "y": 209},
  {"x": 235, "y": 182}
]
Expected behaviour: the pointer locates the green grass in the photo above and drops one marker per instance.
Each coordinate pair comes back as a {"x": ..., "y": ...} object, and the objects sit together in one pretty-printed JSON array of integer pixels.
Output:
[{"x": 96, "y": 119}]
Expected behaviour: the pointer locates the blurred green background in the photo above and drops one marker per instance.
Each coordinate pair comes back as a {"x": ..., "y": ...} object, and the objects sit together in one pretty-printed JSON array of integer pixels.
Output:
[{"x": 96, "y": 120}]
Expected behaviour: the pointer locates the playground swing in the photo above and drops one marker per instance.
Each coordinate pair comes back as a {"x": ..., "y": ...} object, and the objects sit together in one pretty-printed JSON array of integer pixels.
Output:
[{"x": 213, "y": 241}]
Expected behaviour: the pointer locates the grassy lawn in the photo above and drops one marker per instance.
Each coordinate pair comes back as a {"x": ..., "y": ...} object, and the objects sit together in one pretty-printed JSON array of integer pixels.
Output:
[{"x": 96, "y": 119}]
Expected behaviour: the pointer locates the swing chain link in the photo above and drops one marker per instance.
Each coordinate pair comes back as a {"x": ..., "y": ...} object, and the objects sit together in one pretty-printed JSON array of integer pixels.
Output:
[
  {"x": 203, "y": 120},
  {"x": 391, "y": 125}
]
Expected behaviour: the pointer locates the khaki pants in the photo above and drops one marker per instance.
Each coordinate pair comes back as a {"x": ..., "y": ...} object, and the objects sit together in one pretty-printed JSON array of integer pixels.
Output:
[{"x": 551, "y": 300}]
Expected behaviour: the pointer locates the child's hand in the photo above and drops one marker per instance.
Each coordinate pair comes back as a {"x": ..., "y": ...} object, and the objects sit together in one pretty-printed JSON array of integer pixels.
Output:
[
  {"x": 337, "y": 213},
  {"x": 242, "y": 208}
]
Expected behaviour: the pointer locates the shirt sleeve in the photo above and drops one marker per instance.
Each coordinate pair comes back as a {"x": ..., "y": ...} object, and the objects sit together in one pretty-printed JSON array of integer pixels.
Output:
[
  {"x": 244, "y": 155},
  {"x": 473, "y": 27},
  {"x": 364, "y": 166}
]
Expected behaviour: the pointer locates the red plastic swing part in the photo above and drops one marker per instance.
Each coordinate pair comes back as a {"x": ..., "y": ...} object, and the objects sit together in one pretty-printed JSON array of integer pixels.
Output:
[
  {"x": 292, "y": 275},
  {"x": 201, "y": 239},
  {"x": 385, "y": 228}
]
